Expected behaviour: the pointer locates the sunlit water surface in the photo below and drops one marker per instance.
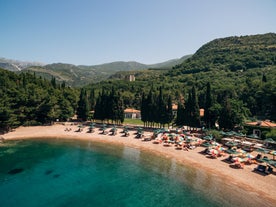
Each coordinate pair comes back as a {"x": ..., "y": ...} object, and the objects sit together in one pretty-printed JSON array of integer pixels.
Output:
[{"x": 58, "y": 172}]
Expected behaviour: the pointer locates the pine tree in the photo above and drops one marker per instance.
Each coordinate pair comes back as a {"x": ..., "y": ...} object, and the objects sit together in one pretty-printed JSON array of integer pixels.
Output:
[{"x": 53, "y": 82}]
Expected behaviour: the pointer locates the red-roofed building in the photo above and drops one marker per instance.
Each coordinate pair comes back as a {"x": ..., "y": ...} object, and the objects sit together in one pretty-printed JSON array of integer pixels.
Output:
[
  {"x": 132, "y": 113},
  {"x": 258, "y": 127},
  {"x": 265, "y": 123}
]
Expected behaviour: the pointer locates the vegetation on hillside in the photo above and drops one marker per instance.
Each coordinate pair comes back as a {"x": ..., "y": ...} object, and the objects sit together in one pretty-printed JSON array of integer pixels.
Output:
[
  {"x": 231, "y": 54},
  {"x": 30, "y": 100},
  {"x": 245, "y": 93},
  {"x": 81, "y": 75},
  {"x": 233, "y": 79}
]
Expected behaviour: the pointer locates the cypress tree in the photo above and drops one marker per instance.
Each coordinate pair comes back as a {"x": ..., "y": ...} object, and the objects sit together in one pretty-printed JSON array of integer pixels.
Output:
[
  {"x": 92, "y": 100},
  {"x": 98, "y": 114},
  {"x": 121, "y": 113},
  {"x": 169, "y": 115},
  {"x": 144, "y": 108},
  {"x": 187, "y": 112},
  {"x": 161, "y": 109},
  {"x": 105, "y": 106},
  {"x": 208, "y": 105},
  {"x": 195, "y": 116},
  {"x": 179, "y": 114},
  {"x": 83, "y": 106},
  {"x": 225, "y": 118},
  {"x": 151, "y": 107},
  {"x": 264, "y": 80}
]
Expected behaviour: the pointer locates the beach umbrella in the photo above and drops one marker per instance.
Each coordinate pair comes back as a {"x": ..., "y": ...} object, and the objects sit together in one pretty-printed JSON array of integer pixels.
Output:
[
  {"x": 229, "y": 134},
  {"x": 250, "y": 156},
  {"x": 270, "y": 162},
  {"x": 214, "y": 151},
  {"x": 208, "y": 138},
  {"x": 104, "y": 126},
  {"x": 172, "y": 135},
  {"x": 269, "y": 140},
  {"x": 113, "y": 129},
  {"x": 262, "y": 150},
  {"x": 92, "y": 125},
  {"x": 231, "y": 144},
  {"x": 221, "y": 149},
  {"x": 240, "y": 134},
  {"x": 231, "y": 151},
  {"x": 223, "y": 133},
  {"x": 246, "y": 143},
  {"x": 253, "y": 136},
  {"x": 206, "y": 144},
  {"x": 186, "y": 133},
  {"x": 238, "y": 159},
  {"x": 273, "y": 152}
]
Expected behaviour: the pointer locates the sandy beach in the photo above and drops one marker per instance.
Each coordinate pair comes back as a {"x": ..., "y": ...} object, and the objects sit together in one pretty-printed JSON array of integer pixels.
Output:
[{"x": 261, "y": 186}]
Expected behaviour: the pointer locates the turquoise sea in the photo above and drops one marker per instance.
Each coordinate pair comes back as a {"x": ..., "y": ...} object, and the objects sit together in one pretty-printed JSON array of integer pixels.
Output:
[{"x": 58, "y": 172}]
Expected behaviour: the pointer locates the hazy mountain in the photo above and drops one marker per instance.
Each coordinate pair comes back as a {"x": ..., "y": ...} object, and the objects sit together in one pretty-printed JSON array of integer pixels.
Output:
[
  {"x": 116, "y": 66},
  {"x": 17, "y": 65},
  {"x": 79, "y": 75},
  {"x": 230, "y": 53},
  {"x": 170, "y": 63}
]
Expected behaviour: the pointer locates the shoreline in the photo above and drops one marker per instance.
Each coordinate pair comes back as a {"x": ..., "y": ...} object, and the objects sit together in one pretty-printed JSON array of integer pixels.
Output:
[{"x": 262, "y": 186}]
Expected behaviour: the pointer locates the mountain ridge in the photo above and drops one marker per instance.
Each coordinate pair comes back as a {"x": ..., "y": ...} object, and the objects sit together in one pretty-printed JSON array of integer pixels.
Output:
[
  {"x": 79, "y": 75},
  {"x": 235, "y": 53}
]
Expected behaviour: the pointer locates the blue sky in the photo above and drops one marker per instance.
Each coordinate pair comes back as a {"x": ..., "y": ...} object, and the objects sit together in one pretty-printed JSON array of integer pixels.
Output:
[{"x": 91, "y": 32}]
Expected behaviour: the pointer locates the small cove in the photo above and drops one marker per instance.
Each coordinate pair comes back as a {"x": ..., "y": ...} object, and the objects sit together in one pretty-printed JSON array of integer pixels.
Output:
[{"x": 84, "y": 173}]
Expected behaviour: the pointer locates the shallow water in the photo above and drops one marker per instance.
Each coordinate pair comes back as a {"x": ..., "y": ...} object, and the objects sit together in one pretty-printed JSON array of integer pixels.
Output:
[{"x": 59, "y": 172}]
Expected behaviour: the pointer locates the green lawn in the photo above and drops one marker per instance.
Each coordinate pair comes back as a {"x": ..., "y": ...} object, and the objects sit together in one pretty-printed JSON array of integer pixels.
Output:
[{"x": 133, "y": 121}]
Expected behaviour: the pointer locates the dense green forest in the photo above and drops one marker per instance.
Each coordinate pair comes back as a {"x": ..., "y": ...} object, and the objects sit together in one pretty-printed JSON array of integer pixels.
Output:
[
  {"x": 30, "y": 100},
  {"x": 232, "y": 54},
  {"x": 247, "y": 91},
  {"x": 233, "y": 79}
]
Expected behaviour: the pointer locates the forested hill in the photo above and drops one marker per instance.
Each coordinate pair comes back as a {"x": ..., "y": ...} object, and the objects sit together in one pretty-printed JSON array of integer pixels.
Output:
[
  {"x": 30, "y": 100},
  {"x": 241, "y": 72},
  {"x": 232, "y": 53}
]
